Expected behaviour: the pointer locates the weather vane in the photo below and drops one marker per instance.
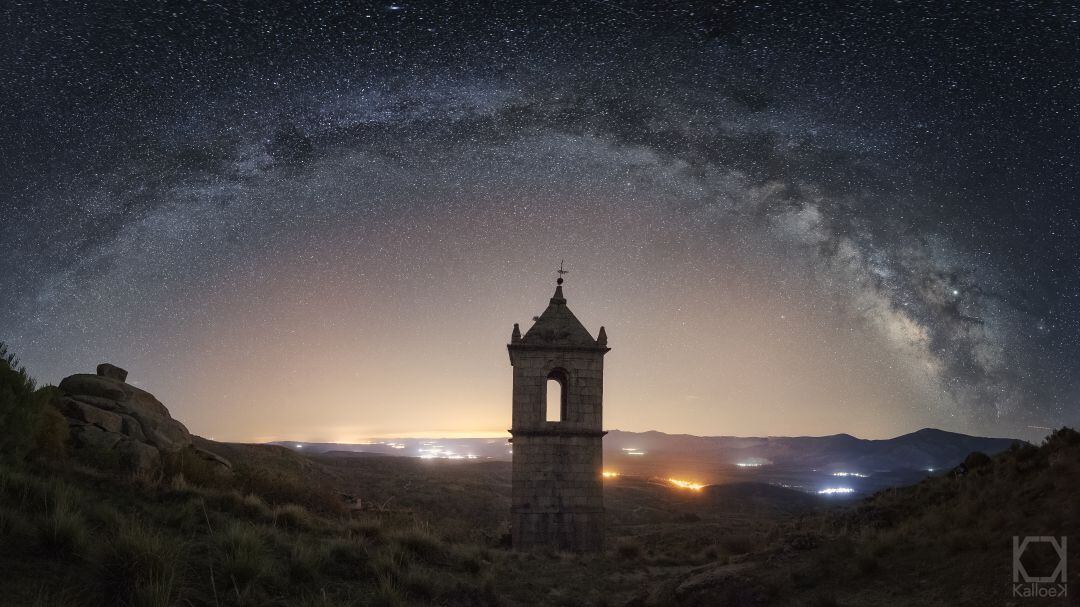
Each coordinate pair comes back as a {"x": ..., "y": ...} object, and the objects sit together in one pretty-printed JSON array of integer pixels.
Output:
[{"x": 560, "y": 272}]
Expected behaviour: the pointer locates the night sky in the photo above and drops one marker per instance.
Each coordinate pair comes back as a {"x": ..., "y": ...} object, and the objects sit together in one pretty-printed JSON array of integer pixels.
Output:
[{"x": 320, "y": 221}]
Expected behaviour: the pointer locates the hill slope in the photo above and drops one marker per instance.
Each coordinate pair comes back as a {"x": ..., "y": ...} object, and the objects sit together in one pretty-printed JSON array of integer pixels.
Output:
[
  {"x": 926, "y": 448},
  {"x": 944, "y": 541}
]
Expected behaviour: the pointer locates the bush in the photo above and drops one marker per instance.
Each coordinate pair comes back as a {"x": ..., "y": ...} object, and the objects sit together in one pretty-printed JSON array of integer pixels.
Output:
[
  {"x": 54, "y": 597},
  {"x": 138, "y": 567},
  {"x": 470, "y": 560},
  {"x": 628, "y": 549},
  {"x": 281, "y": 488},
  {"x": 1063, "y": 437},
  {"x": 419, "y": 544},
  {"x": 256, "y": 509},
  {"x": 824, "y": 598},
  {"x": 243, "y": 556},
  {"x": 62, "y": 530},
  {"x": 21, "y": 406},
  {"x": 866, "y": 563},
  {"x": 51, "y": 435},
  {"x": 390, "y": 564},
  {"x": 736, "y": 544},
  {"x": 291, "y": 516},
  {"x": 976, "y": 459},
  {"x": 388, "y": 595},
  {"x": 15, "y": 528},
  {"x": 367, "y": 529},
  {"x": 103, "y": 516},
  {"x": 306, "y": 562},
  {"x": 345, "y": 558},
  {"x": 195, "y": 469},
  {"x": 232, "y": 501}
]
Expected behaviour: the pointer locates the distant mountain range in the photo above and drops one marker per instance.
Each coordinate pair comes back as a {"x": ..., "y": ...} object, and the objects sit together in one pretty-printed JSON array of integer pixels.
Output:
[
  {"x": 836, "y": 464},
  {"x": 926, "y": 449}
]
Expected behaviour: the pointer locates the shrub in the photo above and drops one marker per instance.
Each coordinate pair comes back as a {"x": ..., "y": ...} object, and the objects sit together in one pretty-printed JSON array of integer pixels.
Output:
[
  {"x": 420, "y": 545},
  {"x": 21, "y": 406},
  {"x": 15, "y": 527},
  {"x": 281, "y": 488},
  {"x": 976, "y": 459},
  {"x": 628, "y": 549},
  {"x": 186, "y": 516},
  {"x": 243, "y": 556},
  {"x": 390, "y": 564},
  {"x": 62, "y": 530},
  {"x": 470, "y": 559},
  {"x": 51, "y": 434},
  {"x": 319, "y": 599},
  {"x": 194, "y": 468},
  {"x": 367, "y": 529},
  {"x": 736, "y": 544},
  {"x": 345, "y": 558},
  {"x": 824, "y": 598},
  {"x": 305, "y": 563},
  {"x": 138, "y": 567},
  {"x": 233, "y": 502},
  {"x": 255, "y": 508},
  {"x": 292, "y": 516},
  {"x": 388, "y": 594},
  {"x": 422, "y": 584},
  {"x": 866, "y": 563},
  {"x": 103, "y": 515},
  {"x": 53, "y": 597},
  {"x": 1062, "y": 437}
]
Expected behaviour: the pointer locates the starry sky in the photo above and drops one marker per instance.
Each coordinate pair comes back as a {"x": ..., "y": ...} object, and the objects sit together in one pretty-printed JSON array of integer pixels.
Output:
[{"x": 320, "y": 220}]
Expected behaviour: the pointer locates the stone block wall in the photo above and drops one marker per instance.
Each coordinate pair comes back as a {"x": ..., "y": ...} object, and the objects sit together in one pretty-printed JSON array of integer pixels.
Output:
[
  {"x": 584, "y": 390},
  {"x": 557, "y": 498}
]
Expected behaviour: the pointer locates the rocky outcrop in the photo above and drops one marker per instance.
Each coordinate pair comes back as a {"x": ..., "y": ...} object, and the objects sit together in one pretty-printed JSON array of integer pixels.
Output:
[
  {"x": 114, "y": 421},
  {"x": 112, "y": 371}
]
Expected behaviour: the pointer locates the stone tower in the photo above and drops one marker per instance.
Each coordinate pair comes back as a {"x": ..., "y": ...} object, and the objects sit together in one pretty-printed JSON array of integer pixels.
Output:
[{"x": 557, "y": 497}]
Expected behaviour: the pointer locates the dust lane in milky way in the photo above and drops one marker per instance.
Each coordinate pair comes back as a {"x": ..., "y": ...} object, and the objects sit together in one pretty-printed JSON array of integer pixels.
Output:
[{"x": 322, "y": 224}]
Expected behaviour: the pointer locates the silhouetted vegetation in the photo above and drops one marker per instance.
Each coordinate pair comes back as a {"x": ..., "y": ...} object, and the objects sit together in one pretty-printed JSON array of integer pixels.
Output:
[
  {"x": 29, "y": 424},
  {"x": 274, "y": 530}
]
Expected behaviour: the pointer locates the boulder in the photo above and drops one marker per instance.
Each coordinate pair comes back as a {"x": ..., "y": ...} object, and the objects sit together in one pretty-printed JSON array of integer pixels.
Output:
[
  {"x": 108, "y": 415},
  {"x": 92, "y": 437},
  {"x": 212, "y": 458},
  {"x": 111, "y": 371},
  {"x": 146, "y": 403},
  {"x": 84, "y": 384},
  {"x": 83, "y": 412},
  {"x": 97, "y": 401},
  {"x": 139, "y": 458},
  {"x": 131, "y": 427}
]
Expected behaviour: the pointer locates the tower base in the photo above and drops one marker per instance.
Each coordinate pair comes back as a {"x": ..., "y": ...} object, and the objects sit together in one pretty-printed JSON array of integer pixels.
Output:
[{"x": 574, "y": 531}]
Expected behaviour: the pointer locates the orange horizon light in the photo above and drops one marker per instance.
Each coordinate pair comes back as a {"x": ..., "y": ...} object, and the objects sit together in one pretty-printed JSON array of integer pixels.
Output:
[{"x": 682, "y": 484}]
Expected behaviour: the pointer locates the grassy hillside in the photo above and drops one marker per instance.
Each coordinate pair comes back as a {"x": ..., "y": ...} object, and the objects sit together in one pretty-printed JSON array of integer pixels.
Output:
[
  {"x": 74, "y": 536},
  {"x": 276, "y": 533},
  {"x": 944, "y": 541},
  {"x": 431, "y": 533},
  {"x": 277, "y": 529}
]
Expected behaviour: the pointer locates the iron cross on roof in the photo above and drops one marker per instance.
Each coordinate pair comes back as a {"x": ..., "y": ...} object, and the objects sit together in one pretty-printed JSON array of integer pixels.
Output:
[{"x": 560, "y": 272}]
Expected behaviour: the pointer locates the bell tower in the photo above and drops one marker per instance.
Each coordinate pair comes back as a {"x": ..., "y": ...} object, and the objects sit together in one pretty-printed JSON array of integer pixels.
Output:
[{"x": 557, "y": 496}]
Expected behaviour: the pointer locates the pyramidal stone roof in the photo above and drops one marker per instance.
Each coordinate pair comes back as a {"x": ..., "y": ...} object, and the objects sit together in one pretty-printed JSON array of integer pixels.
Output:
[{"x": 558, "y": 326}]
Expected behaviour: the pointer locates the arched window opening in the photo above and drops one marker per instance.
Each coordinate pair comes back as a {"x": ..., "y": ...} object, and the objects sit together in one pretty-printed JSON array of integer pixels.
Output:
[{"x": 556, "y": 396}]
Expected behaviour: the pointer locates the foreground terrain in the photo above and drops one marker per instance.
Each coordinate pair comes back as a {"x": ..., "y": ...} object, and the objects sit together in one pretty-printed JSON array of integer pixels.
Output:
[{"x": 210, "y": 524}]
